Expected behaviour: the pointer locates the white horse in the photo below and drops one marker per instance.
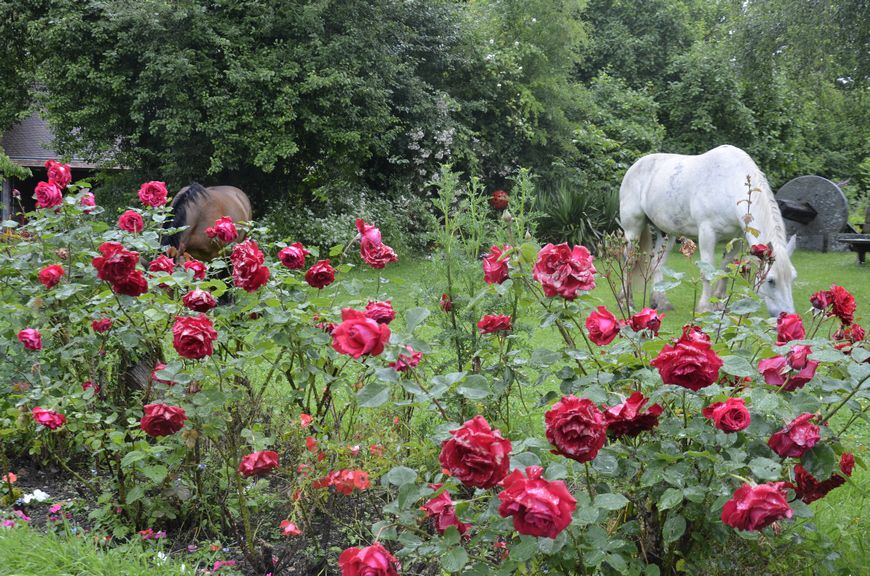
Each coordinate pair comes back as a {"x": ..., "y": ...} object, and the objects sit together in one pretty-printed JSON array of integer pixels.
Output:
[{"x": 705, "y": 197}]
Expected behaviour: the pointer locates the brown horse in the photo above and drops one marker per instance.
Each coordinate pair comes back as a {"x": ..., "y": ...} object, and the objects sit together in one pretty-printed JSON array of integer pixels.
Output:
[{"x": 197, "y": 208}]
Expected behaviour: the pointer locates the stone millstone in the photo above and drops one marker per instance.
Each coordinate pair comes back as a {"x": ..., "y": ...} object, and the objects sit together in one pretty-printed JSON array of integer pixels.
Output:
[{"x": 831, "y": 209}]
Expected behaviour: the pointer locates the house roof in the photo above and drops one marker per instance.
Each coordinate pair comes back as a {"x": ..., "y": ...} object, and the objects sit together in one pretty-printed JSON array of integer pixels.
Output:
[{"x": 29, "y": 144}]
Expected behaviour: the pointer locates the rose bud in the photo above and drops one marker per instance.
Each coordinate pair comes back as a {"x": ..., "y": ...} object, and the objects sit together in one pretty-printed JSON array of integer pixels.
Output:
[
  {"x": 602, "y": 326},
  {"x": 446, "y": 303},
  {"x": 51, "y": 275},
  {"x": 789, "y": 327},
  {"x": 499, "y": 200}
]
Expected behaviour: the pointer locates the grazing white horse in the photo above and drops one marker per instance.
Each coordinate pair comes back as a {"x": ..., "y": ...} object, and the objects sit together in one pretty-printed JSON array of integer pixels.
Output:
[{"x": 704, "y": 197}]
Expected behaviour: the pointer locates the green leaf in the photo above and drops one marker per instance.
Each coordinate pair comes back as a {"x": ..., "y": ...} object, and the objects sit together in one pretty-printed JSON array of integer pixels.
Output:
[
  {"x": 820, "y": 461},
  {"x": 543, "y": 357},
  {"x": 525, "y": 459},
  {"x": 670, "y": 498},
  {"x": 132, "y": 457},
  {"x": 737, "y": 366},
  {"x": 414, "y": 317},
  {"x": 765, "y": 468},
  {"x": 401, "y": 475},
  {"x": 374, "y": 394},
  {"x": 745, "y": 306},
  {"x": 610, "y": 501},
  {"x": 155, "y": 473},
  {"x": 674, "y": 528},
  {"x": 455, "y": 559},
  {"x": 474, "y": 387},
  {"x": 524, "y": 550}
]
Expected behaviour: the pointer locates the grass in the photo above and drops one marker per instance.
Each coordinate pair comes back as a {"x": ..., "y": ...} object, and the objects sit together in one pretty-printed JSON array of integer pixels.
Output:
[{"x": 25, "y": 552}]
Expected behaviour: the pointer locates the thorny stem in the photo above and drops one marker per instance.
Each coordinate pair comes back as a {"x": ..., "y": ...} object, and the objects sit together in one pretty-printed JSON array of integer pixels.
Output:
[
  {"x": 589, "y": 482},
  {"x": 830, "y": 414}
]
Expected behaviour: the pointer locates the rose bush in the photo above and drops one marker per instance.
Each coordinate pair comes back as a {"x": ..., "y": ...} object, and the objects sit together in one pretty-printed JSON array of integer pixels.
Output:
[{"x": 455, "y": 437}]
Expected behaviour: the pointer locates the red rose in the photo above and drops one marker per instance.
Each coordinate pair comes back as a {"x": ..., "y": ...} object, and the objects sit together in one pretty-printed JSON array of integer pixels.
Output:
[
  {"x": 133, "y": 285},
  {"x": 153, "y": 193},
  {"x": 564, "y": 271},
  {"x": 373, "y": 560},
  {"x": 31, "y": 338},
  {"x": 477, "y": 455},
  {"x": 762, "y": 251},
  {"x": 381, "y": 311},
  {"x": 157, "y": 368},
  {"x": 728, "y": 416},
  {"x": 116, "y": 262},
  {"x": 248, "y": 270},
  {"x": 494, "y": 323},
  {"x": 539, "y": 507},
  {"x": 789, "y": 372},
  {"x": 58, "y": 174},
  {"x": 51, "y": 275},
  {"x": 368, "y": 232},
  {"x": 809, "y": 489},
  {"x": 446, "y": 303},
  {"x": 198, "y": 268},
  {"x": 288, "y": 528},
  {"x": 789, "y": 327},
  {"x": 441, "y": 510},
  {"x": 821, "y": 300},
  {"x": 102, "y": 325},
  {"x": 377, "y": 255},
  {"x": 293, "y": 256},
  {"x": 576, "y": 428},
  {"x": 495, "y": 265},
  {"x": 162, "y": 263},
  {"x": 358, "y": 335},
  {"x": 628, "y": 418},
  {"x": 602, "y": 326},
  {"x": 797, "y": 437},
  {"x": 258, "y": 463},
  {"x": 89, "y": 385},
  {"x": 223, "y": 229},
  {"x": 843, "y": 304},
  {"x": 162, "y": 419},
  {"x": 87, "y": 201},
  {"x": 48, "y": 418},
  {"x": 131, "y": 221},
  {"x": 853, "y": 333},
  {"x": 193, "y": 337},
  {"x": 47, "y": 195},
  {"x": 689, "y": 362},
  {"x": 320, "y": 275},
  {"x": 646, "y": 319},
  {"x": 499, "y": 200},
  {"x": 344, "y": 481},
  {"x": 407, "y": 361},
  {"x": 199, "y": 300},
  {"x": 756, "y": 507}
]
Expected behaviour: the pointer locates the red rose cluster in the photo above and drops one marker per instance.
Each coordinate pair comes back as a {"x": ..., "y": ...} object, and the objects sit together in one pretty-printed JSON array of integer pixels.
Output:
[
  {"x": 797, "y": 437},
  {"x": 117, "y": 266},
  {"x": 372, "y": 250},
  {"x": 564, "y": 271},
  {"x": 791, "y": 371},
  {"x": 405, "y": 362},
  {"x": 835, "y": 302},
  {"x": 690, "y": 361},
  {"x": 224, "y": 230},
  {"x": 50, "y": 194},
  {"x": 629, "y": 418},
  {"x": 58, "y": 174},
  {"x": 344, "y": 481},
  {"x": 809, "y": 489},
  {"x": 258, "y": 463},
  {"x": 249, "y": 273}
]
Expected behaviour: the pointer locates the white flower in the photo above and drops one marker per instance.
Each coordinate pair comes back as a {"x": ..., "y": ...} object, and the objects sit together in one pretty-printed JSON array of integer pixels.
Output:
[{"x": 36, "y": 496}]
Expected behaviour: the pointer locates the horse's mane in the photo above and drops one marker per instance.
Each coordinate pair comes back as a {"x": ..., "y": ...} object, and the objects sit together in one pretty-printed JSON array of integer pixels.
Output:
[
  {"x": 179, "y": 212},
  {"x": 771, "y": 225}
]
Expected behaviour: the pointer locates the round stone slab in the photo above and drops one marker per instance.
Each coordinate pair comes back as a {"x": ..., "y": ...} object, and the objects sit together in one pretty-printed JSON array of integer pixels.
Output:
[{"x": 805, "y": 195}]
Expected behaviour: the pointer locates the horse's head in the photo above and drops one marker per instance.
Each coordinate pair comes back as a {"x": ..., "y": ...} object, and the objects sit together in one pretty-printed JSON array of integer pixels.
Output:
[{"x": 775, "y": 288}]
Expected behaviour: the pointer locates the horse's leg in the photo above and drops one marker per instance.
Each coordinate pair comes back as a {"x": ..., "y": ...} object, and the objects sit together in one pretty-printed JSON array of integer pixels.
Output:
[
  {"x": 664, "y": 246},
  {"x": 707, "y": 251}
]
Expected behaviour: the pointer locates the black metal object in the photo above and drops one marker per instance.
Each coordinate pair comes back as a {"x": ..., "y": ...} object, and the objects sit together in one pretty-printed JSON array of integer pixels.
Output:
[
  {"x": 801, "y": 212},
  {"x": 859, "y": 243}
]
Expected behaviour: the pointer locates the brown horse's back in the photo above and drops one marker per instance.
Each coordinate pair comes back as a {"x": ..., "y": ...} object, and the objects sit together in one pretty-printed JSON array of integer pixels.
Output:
[{"x": 198, "y": 208}]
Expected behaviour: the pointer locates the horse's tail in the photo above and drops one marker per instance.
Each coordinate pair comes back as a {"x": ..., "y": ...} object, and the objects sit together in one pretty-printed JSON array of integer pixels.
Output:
[{"x": 180, "y": 206}]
